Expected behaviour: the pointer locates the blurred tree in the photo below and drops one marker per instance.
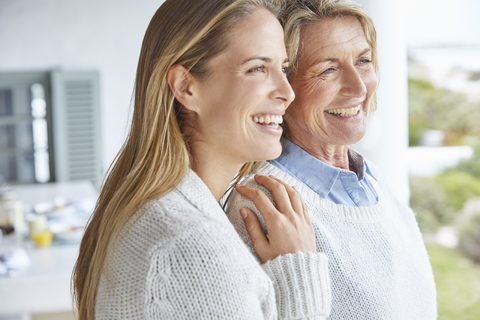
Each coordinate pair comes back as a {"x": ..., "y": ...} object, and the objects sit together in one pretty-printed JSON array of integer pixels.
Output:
[
  {"x": 471, "y": 165},
  {"x": 475, "y": 75},
  {"x": 468, "y": 227},
  {"x": 459, "y": 186},
  {"x": 430, "y": 203},
  {"x": 440, "y": 109}
]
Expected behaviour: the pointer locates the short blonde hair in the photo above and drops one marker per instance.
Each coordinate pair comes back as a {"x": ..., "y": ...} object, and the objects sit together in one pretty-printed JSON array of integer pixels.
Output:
[{"x": 299, "y": 13}]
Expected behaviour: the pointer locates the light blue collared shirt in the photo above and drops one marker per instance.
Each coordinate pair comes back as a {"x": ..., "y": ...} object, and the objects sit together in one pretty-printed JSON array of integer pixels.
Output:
[{"x": 337, "y": 185}]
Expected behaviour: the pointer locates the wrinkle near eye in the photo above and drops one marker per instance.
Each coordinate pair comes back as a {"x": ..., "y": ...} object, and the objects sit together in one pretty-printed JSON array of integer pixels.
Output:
[{"x": 311, "y": 85}]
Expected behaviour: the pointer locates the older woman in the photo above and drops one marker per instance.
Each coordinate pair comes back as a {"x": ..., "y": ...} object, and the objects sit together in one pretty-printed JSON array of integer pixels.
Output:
[{"x": 378, "y": 265}]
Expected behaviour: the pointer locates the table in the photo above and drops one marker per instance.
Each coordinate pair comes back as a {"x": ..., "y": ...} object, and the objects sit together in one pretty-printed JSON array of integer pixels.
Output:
[{"x": 45, "y": 285}]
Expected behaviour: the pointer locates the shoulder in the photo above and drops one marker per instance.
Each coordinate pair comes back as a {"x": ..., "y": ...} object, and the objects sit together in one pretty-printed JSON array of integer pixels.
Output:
[
  {"x": 205, "y": 246},
  {"x": 206, "y": 263},
  {"x": 159, "y": 224},
  {"x": 166, "y": 216}
]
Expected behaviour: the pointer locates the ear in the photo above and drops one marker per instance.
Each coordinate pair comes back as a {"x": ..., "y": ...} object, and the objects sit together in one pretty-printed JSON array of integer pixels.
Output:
[{"x": 180, "y": 82}]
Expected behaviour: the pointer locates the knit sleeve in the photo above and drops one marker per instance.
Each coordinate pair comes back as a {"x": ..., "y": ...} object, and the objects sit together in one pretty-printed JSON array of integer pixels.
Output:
[
  {"x": 302, "y": 285},
  {"x": 301, "y": 280},
  {"x": 207, "y": 275}
]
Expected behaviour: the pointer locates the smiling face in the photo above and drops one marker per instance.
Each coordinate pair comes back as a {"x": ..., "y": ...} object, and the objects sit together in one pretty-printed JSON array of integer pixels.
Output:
[
  {"x": 333, "y": 83},
  {"x": 244, "y": 97}
]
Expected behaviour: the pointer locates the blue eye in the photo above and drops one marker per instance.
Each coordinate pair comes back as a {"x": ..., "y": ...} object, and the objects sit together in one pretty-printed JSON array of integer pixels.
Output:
[
  {"x": 329, "y": 70},
  {"x": 257, "y": 69},
  {"x": 365, "y": 61}
]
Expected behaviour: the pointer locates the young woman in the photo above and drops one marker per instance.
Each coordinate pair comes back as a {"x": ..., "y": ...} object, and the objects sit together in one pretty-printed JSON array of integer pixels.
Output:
[{"x": 210, "y": 92}]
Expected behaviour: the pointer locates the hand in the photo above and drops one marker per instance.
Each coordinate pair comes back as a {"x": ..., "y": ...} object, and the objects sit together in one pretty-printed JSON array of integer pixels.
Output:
[{"x": 289, "y": 227}]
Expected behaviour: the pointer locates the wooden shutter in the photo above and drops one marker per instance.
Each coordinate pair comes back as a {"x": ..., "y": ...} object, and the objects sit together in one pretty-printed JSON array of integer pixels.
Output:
[{"x": 76, "y": 126}]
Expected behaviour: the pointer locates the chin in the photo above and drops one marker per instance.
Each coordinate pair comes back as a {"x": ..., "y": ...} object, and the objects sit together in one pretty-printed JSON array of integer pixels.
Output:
[
  {"x": 350, "y": 138},
  {"x": 269, "y": 153}
]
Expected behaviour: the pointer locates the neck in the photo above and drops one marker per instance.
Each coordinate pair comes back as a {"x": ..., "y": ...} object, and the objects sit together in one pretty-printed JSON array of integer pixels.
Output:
[
  {"x": 215, "y": 171},
  {"x": 333, "y": 155}
]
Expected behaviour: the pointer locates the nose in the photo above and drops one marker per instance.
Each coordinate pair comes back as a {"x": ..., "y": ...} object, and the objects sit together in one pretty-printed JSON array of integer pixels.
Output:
[
  {"x": 353, "y": 84},
  {"x": 282, "y": 89}
]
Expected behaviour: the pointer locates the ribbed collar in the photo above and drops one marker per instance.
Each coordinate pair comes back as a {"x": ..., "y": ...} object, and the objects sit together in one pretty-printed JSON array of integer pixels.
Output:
[{"x": 372, "y": 213}]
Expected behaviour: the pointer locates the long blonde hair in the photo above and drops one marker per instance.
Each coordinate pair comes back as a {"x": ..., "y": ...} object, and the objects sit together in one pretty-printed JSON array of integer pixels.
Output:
[
  {"x": 155, "y": 156},
  {"x": 296, "y": 14}
]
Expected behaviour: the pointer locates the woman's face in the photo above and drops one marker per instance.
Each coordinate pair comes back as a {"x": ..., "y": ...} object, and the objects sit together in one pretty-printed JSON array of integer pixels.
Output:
[
  {"x": 247, "y": 86},
  {"x": 333, "y": 84}
]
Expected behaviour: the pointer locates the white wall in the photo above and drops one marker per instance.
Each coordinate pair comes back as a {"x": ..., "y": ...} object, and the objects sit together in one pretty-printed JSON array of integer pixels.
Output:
[{"x": 104, "y": 35}]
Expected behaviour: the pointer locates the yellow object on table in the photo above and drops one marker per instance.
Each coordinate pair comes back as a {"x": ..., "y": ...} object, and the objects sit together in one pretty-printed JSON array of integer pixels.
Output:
[{"x": 42, "y": 238}]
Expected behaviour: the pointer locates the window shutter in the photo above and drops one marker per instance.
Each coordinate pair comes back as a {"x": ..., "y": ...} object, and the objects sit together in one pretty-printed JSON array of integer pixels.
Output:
[{"x": 76, "y": 126}]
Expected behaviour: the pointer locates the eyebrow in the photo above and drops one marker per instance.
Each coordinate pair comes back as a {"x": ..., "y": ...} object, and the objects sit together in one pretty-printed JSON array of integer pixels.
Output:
[
  {"x": 266, "y": 59},
  {"x": 336, "y": 59},
  {"x": 364, "y": 51}
]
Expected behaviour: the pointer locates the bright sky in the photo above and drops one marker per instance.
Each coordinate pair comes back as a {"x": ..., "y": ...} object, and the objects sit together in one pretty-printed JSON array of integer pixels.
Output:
[
  {"x": 444, "y": 34},
  {"x": 443, "y": 22}
]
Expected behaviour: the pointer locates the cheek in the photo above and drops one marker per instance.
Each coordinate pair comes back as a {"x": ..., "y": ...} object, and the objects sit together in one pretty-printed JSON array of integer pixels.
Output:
[
  {"x": 311, "y": 101},
  {"x": 370, "y": 81}
]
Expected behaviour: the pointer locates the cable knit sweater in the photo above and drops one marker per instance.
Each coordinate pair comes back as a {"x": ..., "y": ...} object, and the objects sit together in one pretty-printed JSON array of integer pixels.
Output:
[
  {"x": 378, "y": 265},
  {"x": 180, "y": 258}
]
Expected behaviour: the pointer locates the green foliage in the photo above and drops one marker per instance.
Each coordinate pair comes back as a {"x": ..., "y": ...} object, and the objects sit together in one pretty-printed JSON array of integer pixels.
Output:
[
  {"x": 475, "y": 76},
  {"x": 471, "y": 165},
  {"x": 468, "y": 227},
  {"x": 458, "y": 284},
  {"x": 459, "y": 186},
  {"x": 440, "y": 109},
  {"x": 415, "y": 133},
  {"x": 430, "y": 203}
]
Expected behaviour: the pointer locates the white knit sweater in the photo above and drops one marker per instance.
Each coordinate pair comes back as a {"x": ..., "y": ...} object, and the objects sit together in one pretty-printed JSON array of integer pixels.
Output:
[
  {"x": 378, "y": 265},
  {"x": 180, "y": 258}
]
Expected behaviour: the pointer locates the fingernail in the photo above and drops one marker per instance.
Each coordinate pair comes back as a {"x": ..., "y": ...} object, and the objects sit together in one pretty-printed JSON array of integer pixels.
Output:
[
  {"x": 272, "y": 176},
  {"x": 243, "y": 213}
]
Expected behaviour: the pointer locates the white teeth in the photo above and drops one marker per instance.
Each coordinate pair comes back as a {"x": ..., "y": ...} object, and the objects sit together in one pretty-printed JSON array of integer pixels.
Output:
[
  {"x": 269, "y": 119},
  {"x": 345, "y": 112}
]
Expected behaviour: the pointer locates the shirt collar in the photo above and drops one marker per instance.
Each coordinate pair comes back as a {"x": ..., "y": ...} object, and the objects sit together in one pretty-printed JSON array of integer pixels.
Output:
[{"x": 310, "y": 170}]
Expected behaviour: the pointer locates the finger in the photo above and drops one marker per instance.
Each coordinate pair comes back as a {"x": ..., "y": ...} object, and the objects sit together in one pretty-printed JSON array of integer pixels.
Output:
[
  {"x": 296, "y": 199},
  {"x": 261, "y": 202},
  {"x": 279, "y": 193},
  {"x": 305, "y": 209},
  {"x": 254, "y": 229}
]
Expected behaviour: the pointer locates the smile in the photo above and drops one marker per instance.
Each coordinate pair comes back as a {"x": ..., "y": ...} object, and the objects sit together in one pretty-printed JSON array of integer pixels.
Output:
[
  {"x": 344, "y": 112},
  {"x": 270, "y": 120}
]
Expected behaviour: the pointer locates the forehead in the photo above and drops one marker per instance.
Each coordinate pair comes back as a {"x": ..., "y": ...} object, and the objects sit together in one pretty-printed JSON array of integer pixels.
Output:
[
  {"x": 257, "y": 34},
  {"x": 332, "y": 36}
]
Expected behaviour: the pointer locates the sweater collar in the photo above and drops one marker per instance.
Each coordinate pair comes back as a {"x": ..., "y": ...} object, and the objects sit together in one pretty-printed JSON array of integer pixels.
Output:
[{"x": 197, "y": 193}]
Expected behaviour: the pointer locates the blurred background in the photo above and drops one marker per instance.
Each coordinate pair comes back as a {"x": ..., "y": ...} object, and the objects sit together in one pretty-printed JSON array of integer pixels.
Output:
[{"x": 67, "y": 72}]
